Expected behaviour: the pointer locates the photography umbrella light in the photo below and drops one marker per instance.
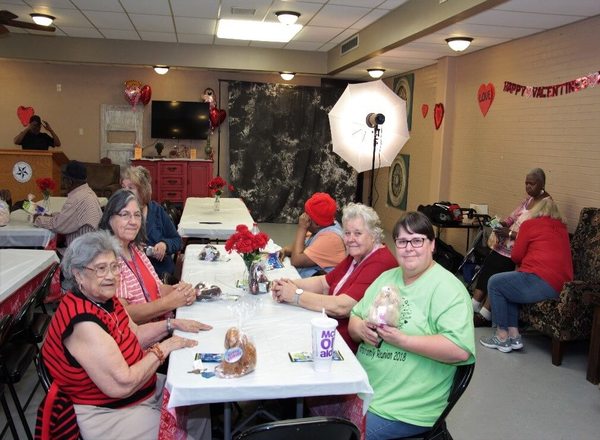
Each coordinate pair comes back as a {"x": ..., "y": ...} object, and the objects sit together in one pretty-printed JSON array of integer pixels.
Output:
[{"x": 356, "y": 133}]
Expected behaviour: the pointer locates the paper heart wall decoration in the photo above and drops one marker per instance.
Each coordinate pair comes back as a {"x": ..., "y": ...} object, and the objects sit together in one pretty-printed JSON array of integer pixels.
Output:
[
  {"x": 424, "y": 110},
  {"x": 24, "y": 114},
  {"x": 438, "y": 115},
  {"x": 485, "y": 97}
]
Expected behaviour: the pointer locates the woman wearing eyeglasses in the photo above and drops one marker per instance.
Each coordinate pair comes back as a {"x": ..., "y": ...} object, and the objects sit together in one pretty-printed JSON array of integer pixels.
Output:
[
  {"x": 411, "y": 365},
  {"x": 145, "y": 297},
  {"x": 103, "y": 366}
]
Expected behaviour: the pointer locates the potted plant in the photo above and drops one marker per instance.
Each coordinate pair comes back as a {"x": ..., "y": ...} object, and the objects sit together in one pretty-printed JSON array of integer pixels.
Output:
[{"x": 159, "y": 146}]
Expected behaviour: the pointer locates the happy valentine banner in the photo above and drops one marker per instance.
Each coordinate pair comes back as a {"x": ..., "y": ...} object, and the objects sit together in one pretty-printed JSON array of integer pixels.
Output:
[{"x": 572, "y": 86}]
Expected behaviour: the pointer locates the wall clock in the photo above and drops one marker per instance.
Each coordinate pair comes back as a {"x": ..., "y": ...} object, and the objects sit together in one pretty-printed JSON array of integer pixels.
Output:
[
  {"x": 22, "y": 172},
  {"x": 398, "y": 181}
]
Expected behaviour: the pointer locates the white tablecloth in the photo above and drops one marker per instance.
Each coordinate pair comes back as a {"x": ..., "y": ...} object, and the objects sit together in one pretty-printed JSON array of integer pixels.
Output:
[
  {"x": 21, "y": 233},
  {"x": 18, "y": 266},
  {"x": 200, "y": 220},
  {"x": 276, "y": 330}
]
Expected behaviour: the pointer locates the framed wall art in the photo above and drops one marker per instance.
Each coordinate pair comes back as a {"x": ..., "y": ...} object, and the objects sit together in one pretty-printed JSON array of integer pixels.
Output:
[
  {"x": 398, "y": 182},
  {"x": 403, "y": 87}
]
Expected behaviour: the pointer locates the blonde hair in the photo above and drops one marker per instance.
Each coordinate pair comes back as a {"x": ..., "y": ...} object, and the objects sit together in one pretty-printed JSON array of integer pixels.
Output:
[
  {"x": 546, "y": 208},
  {"x": 140, "y": 177}
]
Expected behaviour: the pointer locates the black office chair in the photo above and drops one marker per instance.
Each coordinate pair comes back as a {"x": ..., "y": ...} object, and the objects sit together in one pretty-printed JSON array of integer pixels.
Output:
[
  {"x": 313, "y": 428},
  {"x": 439, "y": 431},
  {"x": 42, "y": 372}
]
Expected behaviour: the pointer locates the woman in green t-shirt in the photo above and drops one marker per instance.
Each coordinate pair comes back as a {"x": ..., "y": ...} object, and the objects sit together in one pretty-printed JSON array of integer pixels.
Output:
[{"x": 411, "y": 365}]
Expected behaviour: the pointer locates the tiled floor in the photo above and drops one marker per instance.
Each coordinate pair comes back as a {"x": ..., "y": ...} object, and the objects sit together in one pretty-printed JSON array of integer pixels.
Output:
[{"x": 514, "y": 396}]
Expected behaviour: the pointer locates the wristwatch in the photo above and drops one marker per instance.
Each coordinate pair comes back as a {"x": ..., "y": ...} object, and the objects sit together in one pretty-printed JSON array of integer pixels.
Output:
[{"x": 297, "y": 296}]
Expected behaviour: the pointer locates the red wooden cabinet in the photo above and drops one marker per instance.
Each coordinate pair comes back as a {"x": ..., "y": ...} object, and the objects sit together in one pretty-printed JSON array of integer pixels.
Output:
[{"x": 177, "y": 179}]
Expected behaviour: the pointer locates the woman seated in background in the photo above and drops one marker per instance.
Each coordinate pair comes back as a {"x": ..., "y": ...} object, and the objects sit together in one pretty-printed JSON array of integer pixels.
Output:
[
  {"x": 95, "y": 354},
  {"x": 543, "y": 254},
  {"x": 411, "y": 366},
  {"x": 339, "y": 290},
  {"x": 144, "y": 295},
  {"x": 163, "y": 241},
  {"x": 499, "y": 259}
]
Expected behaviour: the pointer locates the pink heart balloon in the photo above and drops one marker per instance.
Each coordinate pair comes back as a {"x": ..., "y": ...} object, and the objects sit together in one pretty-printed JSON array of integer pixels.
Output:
[{"x": 145, "y": 94}]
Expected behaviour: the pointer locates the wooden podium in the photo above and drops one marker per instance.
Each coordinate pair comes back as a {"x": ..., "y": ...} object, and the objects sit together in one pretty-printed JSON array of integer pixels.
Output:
[{"x": 42, "y": 163}]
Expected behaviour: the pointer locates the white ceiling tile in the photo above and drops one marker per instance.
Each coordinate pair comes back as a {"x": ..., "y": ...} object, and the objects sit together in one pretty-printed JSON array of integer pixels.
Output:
[
  {"x": 189, "y": 25},
  {"x": 195, "y": 38},
  {"x": 158, "y": 7},
  {"x": 70, "y": 17},
  {"x": 343, "y": 36},
  {"x": 152, "y": 23},
  {"x": 370, "y": 18},
  {"x": 317, "y": 34},
  {"x": 195, "y": 8},
  {"x": 520, "y": 19},
  {"x": 260, "y": 6},
  {"x": 392, "y": 4},
  {"x": 490, "y": 31},
  {"x": 327, "y": 47},
  {"x": 81, "y": 32},
  {"x": 109, "y": 20},
  {"x": 120, "y": 34},
  {"x": 168, "y": 37},
  {"x": 11, "y": 3},
  {"x": 578, "y": 7},
  {"x": 363, "y": 3},
  {"x": 50, "y": 4},
  {"x": 95, "y": 5},
  {"x": 342, "y": 16}
]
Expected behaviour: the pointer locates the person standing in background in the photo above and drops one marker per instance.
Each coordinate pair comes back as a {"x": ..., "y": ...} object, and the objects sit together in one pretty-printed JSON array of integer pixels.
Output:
[{"x": 31, "y": 137}]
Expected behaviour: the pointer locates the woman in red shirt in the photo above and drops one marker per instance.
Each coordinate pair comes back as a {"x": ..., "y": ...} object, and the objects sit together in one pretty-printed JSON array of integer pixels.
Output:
[{"x": 543, "y": 255}]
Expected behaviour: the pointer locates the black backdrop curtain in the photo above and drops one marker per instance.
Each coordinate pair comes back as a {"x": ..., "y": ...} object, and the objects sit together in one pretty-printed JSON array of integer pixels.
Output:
[{"x": 280, "y": 150}]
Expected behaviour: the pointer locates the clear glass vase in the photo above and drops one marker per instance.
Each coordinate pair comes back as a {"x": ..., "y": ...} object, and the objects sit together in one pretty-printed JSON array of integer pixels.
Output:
[{"x": 217, "y": 205}]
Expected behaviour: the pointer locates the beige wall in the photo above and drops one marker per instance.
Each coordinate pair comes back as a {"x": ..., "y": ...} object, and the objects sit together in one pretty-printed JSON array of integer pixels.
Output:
[
  {"x": 85, "y": 88},
  {"x": 485, "y": 159}
]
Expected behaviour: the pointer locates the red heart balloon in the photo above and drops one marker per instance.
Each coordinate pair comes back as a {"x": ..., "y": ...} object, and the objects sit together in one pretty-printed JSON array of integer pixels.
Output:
[
  {"x": 485, "y": 97},
  {"x": 145, "y": 94},
  {"x": 216, "y": 117},
  {"x": 24, "y": 114},
  {"x": 438, "y": 115},
  {"x": 424, "y": 110}
]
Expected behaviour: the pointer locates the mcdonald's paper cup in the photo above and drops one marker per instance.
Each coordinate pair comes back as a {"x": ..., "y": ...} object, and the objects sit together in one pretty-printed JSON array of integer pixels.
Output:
[{"x": 323, "y": 336}]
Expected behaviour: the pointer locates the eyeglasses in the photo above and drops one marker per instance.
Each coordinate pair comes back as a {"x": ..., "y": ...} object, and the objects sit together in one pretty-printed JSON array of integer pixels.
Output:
[
  {"x": 129, "y": 216},
  {"x": 102, "y": 271},
  {"x": 417, "y": 242}
]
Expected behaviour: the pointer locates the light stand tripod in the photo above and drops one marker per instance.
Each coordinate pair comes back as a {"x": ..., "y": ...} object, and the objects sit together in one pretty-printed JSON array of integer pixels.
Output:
[{"x": 374, "y": 120}]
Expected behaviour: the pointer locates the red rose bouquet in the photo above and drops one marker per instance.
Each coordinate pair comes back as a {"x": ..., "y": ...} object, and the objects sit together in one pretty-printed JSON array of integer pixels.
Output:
[
  {"x": 216, "y": 185},
  {"x": 247, "y": 244},
  {"x": 46, "y": 186}
]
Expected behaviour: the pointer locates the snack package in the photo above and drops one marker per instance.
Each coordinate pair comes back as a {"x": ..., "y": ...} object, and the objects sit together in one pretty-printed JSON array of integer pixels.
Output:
[
  {"x": 386, "y": 307},
  {"x": 239, "y": 357},
  {"x": 258, "y": 283},
  {"x": 209, "y": 253},
  {"x": 206, "y": 292}
]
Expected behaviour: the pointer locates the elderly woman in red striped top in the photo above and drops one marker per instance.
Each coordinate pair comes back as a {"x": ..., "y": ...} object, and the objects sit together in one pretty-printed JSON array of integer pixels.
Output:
[
  {"x": 111, "y": 391},
  {"x": 144, "y": 296}
]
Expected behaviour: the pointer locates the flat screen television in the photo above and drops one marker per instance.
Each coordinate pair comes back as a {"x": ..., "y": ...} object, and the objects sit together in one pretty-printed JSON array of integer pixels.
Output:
[{"x": 180, "y": 120}]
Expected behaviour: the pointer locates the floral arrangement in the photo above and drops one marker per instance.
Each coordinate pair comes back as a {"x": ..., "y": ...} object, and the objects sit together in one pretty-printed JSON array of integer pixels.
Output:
[
  {"x": 216, "y": 185},
  {"x": 46, "y": 185},
  {"x": 247, "y": 244}
]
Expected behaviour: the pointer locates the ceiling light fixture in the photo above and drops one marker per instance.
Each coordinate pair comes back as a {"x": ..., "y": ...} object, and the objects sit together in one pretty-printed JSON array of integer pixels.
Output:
[
  {"x": 161, "y": 70},
  {"x": 287, "y": 17},
  {"x": 42, "y": 19},
  {"x": 287, "y": 76},
  {"x": 257, "y": 30},
  {"x": 376, "y": 73},
  {"x": 458, "y": 44}
]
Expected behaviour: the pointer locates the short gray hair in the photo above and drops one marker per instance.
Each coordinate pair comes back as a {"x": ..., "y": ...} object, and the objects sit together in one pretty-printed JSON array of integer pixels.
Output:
[
  {"x": 369, "y": 217},
  {"x": 83, "y": 250}
]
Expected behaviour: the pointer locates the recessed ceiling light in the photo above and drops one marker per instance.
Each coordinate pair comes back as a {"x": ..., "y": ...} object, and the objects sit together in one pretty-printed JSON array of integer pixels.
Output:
[
  {"x": 161, "y": 70},
  {"x": 287, "y": 17},
  {"x": 458, "y": 44},
  {"x": 375, "y": 73},
  {"x": 42, "y": 19},
  {"x": 287, "y": 76},
  {"x": 257, "y": 30}
]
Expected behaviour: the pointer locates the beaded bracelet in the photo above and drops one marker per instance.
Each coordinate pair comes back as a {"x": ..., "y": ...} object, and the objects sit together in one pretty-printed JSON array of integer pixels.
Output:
[{"x": 157, "y": 352}]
